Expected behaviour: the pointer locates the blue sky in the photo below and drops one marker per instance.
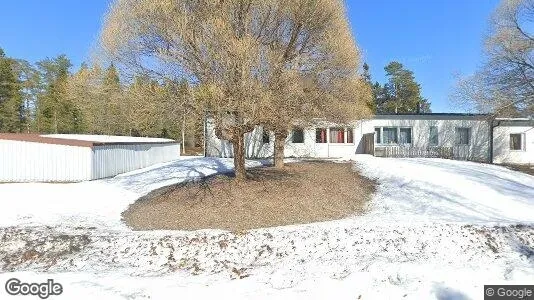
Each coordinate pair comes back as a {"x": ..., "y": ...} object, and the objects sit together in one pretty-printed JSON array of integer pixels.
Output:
[{"x": 435, "y": 39}]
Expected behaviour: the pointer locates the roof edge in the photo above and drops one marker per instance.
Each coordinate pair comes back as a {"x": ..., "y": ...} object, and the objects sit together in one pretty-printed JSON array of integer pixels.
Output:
[{"x": 37, "y": 138}]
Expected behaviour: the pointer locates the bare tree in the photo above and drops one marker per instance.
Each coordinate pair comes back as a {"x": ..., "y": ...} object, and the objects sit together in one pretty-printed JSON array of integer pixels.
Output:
[
  {"x": 315, "y": 62},
  {"x": 238, "y": 50},
  {"x": 505, "y": 85}
]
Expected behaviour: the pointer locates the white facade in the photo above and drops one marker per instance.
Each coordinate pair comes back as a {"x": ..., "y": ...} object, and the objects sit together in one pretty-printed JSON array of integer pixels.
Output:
[
  {"x": 506, "y": 153},
  {"x": 256, "y": 148},
  {"x": 31, "y": 161},
  {"x": 468, "y": 136},
  {"x": 477, "y": 147}
]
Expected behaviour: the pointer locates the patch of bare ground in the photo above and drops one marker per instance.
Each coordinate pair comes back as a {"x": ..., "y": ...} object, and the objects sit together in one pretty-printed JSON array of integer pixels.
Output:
[
  {"x": 527, "y": 169},
  {"x": 302, "y": 193}
]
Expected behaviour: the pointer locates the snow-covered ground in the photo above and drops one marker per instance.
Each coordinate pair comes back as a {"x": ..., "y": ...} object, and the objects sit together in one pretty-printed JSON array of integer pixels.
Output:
[
  {"x": 437, "y": 190},
  {"x": 98, "y": 203},
  {"x": 435, "y": 229}
]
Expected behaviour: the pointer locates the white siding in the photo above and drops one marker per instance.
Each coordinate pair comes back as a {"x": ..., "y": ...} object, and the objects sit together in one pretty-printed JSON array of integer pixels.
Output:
[
  {"x": 39, "y": 162},
  {"x": 501, "y": 145},
  {"x": 255, "y": 148},
  {"x": 29, "y": 161},
  {"x": 478, "y": 147},
  {"x": 110, "y": 160}
]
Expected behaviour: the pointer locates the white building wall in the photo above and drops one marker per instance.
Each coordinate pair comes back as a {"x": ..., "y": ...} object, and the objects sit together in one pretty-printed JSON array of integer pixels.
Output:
[
  {"x": 255, "y": 148},
  {"x": 37, "y": 162},
  {"x": 110, "y": 160},
  {"x": 478, "y": 147},
  {"x": 501, "y": 145}
]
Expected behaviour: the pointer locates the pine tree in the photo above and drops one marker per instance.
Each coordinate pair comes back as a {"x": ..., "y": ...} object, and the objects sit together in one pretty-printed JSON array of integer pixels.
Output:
[
  {"x": 56, "y": 114},
  {"x": 11, "y": 102},
  {"x": 380, "y": 97},
  {"x": 402, "y": 92},
  {"x": 29, "y": 79},
  {"x": 367, "y": 77},
  {"x": 366, "y": 72}
]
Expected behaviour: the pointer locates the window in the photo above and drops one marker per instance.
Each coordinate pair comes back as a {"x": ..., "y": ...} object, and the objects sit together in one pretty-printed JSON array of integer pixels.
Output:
[
  {"x": 337, "y": 135},
  {"x": 378, "y": 140},
  {"x": 463, "y": 135},
  {"x": 389, "y": 135},
  {"x": 320, "y": 135},
  {"x": 433, "y": 138},
  {"x": 405, "y": 135},
  {"x": 516, "y": 141},
  {"x": 266, "y": 139},
  {"x": 297, "y": 136},
  {"x": 350, "y": 136}
]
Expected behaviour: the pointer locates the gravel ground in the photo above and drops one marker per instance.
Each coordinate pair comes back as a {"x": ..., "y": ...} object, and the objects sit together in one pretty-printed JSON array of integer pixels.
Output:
[{"x": 345, "y": 249}]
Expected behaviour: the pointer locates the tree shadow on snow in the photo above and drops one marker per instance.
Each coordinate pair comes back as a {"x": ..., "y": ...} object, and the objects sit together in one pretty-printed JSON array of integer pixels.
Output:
[
  {"x": 446, "y": 293},
  {"x": 177, "y": 172},
  {"x": 500, "y": 179}
]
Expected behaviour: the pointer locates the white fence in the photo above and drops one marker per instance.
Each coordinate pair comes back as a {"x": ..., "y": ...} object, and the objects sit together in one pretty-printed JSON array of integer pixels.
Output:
[{"x": 456, "y": 152}]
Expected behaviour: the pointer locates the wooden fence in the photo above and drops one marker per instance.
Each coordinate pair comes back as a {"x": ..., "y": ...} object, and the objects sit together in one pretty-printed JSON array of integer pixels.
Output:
[{"x": 369, "y": 143}]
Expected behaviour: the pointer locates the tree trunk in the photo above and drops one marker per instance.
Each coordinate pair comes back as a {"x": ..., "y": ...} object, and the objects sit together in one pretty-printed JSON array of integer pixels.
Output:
[
  {"x": 183, "y": 134},
  {"x": 239, "y": 156},
  {"x": 55, "y": 122},
  {"x": 279, "y": 145}
]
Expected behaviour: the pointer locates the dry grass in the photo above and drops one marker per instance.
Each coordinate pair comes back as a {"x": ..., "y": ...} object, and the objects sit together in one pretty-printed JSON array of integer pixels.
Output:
[
  {"x": 527, "y": 169},
  {"x": 302, "y": 193}
]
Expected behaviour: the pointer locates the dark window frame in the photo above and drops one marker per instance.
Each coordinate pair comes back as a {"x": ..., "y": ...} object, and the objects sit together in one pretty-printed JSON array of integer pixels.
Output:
[
  {"x": 433, "y": 135},
  {"x": 459, "y": 136},
  {"x": 338, "y": 130},
  {"x": 520, "y": 135},
  {"x": 266, "y": 137},
  {"x": 410, "y": 137},
  {"x": 378, "y": 135},
  {"x": 319, "y": 139},
  {"x": 300, "y": 136},
  {"x": 349, "y": 135},
  {"x": 389, "y": 129}
]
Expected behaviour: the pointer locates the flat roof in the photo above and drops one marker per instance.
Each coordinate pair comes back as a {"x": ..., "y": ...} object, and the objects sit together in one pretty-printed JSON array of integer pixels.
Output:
[
  {"x": 433, "y": 116},
  {"x": 81, "y": 140}
]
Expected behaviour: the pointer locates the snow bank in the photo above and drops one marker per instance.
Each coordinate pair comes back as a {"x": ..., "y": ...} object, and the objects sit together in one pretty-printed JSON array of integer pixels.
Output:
[{"x": 315, "y": 262}]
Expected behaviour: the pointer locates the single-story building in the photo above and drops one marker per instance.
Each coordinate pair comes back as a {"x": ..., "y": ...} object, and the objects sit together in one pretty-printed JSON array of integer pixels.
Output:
[
  {"x": 72, "y": 158},
  {"x": 477, "y": 137}
]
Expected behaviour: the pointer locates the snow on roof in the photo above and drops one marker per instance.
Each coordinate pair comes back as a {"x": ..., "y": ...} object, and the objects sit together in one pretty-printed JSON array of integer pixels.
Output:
[
  {"x": 107, "y": 138},
  {"x": 81, "y": 140},
  {"x": 513, "y": 119}
]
